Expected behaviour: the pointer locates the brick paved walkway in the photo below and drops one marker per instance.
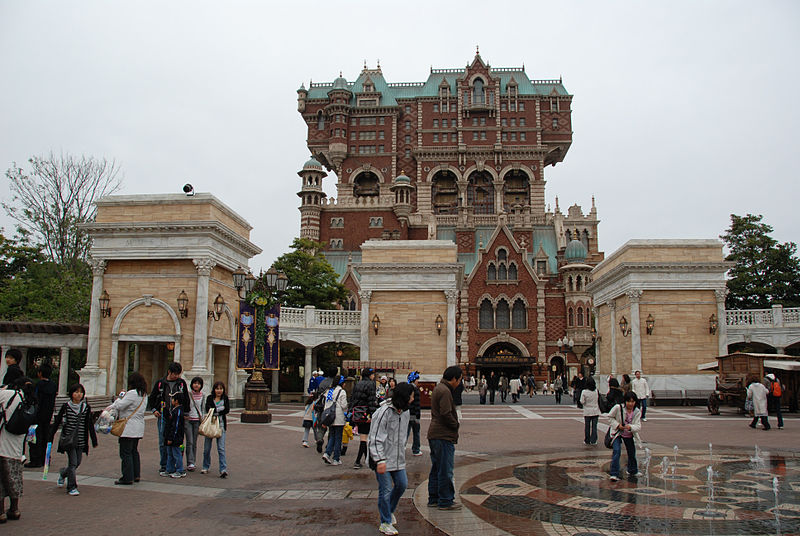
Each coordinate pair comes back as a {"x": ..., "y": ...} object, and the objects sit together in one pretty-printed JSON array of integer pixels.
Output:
[{"x": 276, "y": 485}]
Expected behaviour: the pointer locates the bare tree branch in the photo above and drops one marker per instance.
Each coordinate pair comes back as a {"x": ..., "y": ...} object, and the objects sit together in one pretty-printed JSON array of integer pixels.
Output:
[{"x": 58, "y": 194}]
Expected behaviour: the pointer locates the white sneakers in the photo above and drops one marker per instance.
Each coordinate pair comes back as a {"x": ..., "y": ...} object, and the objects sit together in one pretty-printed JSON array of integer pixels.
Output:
[{"x": 387, "y": 528}]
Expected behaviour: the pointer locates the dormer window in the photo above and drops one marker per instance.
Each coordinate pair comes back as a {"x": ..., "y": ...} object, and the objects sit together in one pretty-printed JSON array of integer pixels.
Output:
[
  {"x": 478, "y": 93},
  {"x": 369, "y": 88}
]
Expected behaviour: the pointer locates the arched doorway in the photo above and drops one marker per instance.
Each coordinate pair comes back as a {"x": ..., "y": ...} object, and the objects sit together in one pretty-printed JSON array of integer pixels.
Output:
[
  {"x": 503, "y": 358},
  {"x": 751, "y": 347}
]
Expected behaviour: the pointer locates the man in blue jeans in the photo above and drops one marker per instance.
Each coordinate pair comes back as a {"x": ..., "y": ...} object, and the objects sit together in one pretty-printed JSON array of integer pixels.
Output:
[
  {"x": 442, "y": 439},
  {"x": 159, "y": 402}
]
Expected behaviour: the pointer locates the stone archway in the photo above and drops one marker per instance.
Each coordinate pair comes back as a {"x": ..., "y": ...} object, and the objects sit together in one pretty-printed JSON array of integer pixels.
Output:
[{"x": 152, "y": 338}]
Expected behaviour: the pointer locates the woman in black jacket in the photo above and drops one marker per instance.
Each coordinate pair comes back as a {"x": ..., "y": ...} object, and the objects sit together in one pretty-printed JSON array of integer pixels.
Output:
[
  {"x": 364, "y": 398},
  {"x": 614, "y": 396},
  {"x": 217, "y": 400},
  {"x": 76, "y": 414}
]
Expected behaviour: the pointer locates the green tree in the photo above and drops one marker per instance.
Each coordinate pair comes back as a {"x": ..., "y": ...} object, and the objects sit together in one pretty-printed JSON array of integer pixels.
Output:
[
  {"x": 765, "y": 272},
  {"x": 33, "y": 288},
  {"x": 312, "y": 280}
]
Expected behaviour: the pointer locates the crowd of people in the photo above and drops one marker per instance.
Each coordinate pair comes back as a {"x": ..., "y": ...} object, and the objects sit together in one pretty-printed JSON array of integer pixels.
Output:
[{"x": 383, "y": 412}]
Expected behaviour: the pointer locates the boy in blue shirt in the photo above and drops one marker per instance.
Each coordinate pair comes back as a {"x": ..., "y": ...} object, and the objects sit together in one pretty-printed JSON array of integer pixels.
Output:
[{"x": 173, "y": 436}]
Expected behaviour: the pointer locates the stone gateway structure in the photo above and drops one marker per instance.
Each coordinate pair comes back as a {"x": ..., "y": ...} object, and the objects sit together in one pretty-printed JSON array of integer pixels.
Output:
[
  {"x": 165, "y": 264},
  {"x": 654, "y": 303}
]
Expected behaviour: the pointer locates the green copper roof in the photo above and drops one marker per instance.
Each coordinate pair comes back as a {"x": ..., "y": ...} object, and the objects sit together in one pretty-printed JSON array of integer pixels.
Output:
[
  {"x": 391, "y": 93},
  {"x": 546, "y": 238},
  {"x": 312, "y": 163},
  {"x": 338, "y": 259},
  {"x": 575, "y": 252}
]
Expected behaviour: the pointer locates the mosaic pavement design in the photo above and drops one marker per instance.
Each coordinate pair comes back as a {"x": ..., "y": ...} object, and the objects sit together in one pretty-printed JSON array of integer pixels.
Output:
[{"x": 571, "y": 494}]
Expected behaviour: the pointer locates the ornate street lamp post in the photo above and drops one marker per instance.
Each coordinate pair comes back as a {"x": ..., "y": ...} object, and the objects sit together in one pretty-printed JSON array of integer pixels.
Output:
[{"x": 261, "y": 293}]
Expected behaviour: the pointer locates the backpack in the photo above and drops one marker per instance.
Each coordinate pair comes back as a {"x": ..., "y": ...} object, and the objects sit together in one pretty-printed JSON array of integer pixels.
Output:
[
  {"x": 23, "y": 417},
  {"x": 328, "y": 416},
  {"x": 775, "y": 388}
]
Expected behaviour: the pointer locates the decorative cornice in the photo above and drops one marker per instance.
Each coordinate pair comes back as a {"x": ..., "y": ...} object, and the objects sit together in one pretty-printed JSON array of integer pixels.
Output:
[
  {"x": 433, "y": 268},
  {"x": 115, "y": 230},
  {"x": 624, "y": 269}
]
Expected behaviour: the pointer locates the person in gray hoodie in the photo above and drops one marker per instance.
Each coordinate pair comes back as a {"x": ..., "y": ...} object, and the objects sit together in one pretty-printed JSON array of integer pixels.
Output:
[{"x": 387, "y": 452}]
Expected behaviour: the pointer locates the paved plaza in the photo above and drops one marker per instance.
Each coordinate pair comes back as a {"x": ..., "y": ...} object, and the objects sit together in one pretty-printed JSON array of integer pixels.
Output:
[{"x": 520, "y": 469}]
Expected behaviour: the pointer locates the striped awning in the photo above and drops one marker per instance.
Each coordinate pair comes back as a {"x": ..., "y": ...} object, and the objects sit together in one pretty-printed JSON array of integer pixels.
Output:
[{"x": 377, "y": 365}]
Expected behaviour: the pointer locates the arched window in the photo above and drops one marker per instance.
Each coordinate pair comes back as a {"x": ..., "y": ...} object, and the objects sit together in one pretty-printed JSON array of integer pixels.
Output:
[
  {"x": 502, "y": 274},
  {"x": 588, "y": 318},
  {"x": 570, "y": 317},
  {"x": 486, "y": 316},
  {"x": 492, "y": 275},
  {"x": 578, "y": 285},
  {"x": 320, "y": 121},
  {"x": 569, "y": 284},
  {"x": 480, "y": 192},
  {"x": 585, "y": 239},
  {"x": 518, "y": 315},
  {"x": 478, "y": 94},
  {"x": 580, "y": 316},
  {"x": 512, "y": 272},
  {"x": 444, "y": 193},
  {"x": 502, "y": 254},
  {"x": 503, "y": 314},
  {"x": 352, "y": 306}
]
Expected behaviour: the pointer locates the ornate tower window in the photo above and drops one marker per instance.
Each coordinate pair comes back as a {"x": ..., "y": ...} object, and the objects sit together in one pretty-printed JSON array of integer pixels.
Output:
[
  {"x": 503, "y": 315},
  {"x": 486, "y": 315},
  {"x": 519, "y": 315},
  {"x": 480, "y": 192}
]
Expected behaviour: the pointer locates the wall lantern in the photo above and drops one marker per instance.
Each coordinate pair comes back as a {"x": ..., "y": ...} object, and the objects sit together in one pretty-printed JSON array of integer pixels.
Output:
[
  {"x": 376, "y": 323},
  {"x": 565, "y": 344},
  {"x": 712, "y": 324},
  {"x": 439, "y": 322},
  {"x": 595, "y": 338},
  {"x": 650, "y": 323},
  {"x": 183, "y": 304},
  {"x": 459, "y": 328},
  {"x": 105, "y": 308},
  {"x": 623, "y": 325},
  {"x": 219, "y": 307}
]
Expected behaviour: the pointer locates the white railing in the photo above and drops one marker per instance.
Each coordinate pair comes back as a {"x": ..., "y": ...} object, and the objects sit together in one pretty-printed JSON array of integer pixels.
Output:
[
  {"x": 310, "y": 317},
  {"x": 791, "y": 316},
  {"x": 750, "y": 317},
  {"x": 777, "y": 316}
]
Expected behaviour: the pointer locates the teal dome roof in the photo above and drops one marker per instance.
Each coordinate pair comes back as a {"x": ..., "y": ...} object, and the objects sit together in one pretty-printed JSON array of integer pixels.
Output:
[
  {"x": 575, "y": 252},
  {"x": 402, "y": 179},
  {"x": 340, "y": 83},
  {"x": 312, "y": 163}
]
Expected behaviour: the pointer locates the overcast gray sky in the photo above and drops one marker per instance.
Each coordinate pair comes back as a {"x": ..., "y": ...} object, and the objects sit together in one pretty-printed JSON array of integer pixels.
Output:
[{"x": 684, "y": 111}]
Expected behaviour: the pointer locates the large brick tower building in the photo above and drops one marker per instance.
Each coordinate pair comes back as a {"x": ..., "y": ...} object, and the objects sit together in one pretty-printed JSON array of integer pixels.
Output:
[{"x": 460, "y": 157}]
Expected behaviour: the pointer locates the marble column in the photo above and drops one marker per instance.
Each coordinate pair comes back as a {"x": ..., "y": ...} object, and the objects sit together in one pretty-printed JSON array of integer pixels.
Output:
[
  {"x": 276, "y": 376},
  {"x": 92, "y": 377},
  {"x": 365, "y": 296},
  {"x": 597, "y": 343},
  {"x": 136, "y": 357},
  {"x": 307, "y": 367},
  {"x": 200, "y": 349},
  {"x": 722, "y": 321},
  {"x": 613, "y": 308},
  {"x": 452, "y": 301},
  {"x": 636, "y": 336}
]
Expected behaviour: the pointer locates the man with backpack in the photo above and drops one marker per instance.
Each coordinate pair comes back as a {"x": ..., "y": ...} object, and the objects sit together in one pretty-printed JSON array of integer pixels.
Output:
[
  {"x": 319, "y": 405},
  {"x": 159, "y": 403},
  {"x": 774, "y": 397}
]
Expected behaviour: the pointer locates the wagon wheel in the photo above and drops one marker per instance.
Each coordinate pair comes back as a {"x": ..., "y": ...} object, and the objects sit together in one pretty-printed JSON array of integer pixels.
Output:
[{"x": 713, "y": 404}]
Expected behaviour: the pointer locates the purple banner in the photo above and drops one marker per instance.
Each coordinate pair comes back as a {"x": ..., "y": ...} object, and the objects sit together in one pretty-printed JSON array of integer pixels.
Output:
[
  {"x": 246, "y": 338},
  {"x": 272, "y": 346}
]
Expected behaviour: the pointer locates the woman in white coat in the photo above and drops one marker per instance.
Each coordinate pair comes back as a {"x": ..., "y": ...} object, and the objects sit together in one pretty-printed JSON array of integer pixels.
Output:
[
  {"x": 758, "y": 394},
  {"x": 335, "y": 396},
  {"x": 131, "y": 406},
  {"x": 11, "y": 449}
]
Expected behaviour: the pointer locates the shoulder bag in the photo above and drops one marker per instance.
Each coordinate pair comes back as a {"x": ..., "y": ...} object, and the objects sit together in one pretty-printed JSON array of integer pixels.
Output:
[
  {"x": 607, "y": 439},
  {"x": 210, "y": 426},
  {"x": 118, "y": 426}
]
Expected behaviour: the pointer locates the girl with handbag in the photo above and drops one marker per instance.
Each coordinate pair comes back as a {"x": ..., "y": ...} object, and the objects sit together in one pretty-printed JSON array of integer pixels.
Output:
[
  {"x": 335, "y": 398},
  {"x": 132, "y": 407},
  {"x": 76, "y": 415},
  {"x": 192, "y": 421},
  {"x": 218, "y": 401}
]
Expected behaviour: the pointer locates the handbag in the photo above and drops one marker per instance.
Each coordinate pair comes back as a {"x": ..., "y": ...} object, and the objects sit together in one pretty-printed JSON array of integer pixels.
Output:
[
  {"x": 118, "y": 426},
  {"x": 68, "y": 442},
  {"x": 360, "y": 414},
  {"x": 209, "y": 426},
  {"x": 607, "y": 439}
]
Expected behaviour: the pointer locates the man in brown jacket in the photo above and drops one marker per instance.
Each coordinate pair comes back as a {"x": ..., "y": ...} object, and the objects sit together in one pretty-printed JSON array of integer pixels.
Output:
[{"x": 442, "y": 438}]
